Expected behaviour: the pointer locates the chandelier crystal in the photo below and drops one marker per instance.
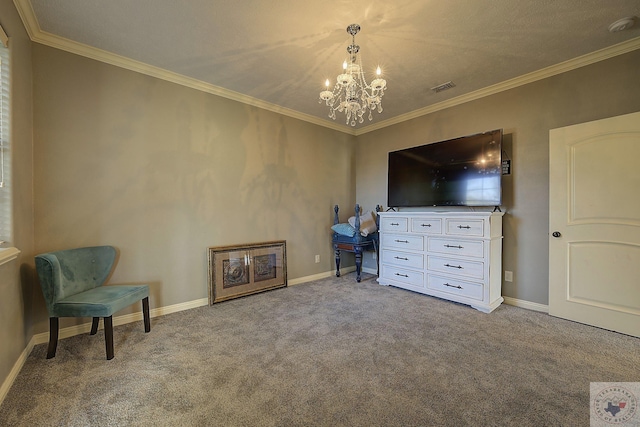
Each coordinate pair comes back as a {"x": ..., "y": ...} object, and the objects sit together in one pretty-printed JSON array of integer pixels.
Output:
[{"x": 352, "y": 94}]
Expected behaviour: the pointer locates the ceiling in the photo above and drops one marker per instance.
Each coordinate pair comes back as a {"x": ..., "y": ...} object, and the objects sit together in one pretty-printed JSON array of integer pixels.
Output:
[{"x": 277, "y": 54}]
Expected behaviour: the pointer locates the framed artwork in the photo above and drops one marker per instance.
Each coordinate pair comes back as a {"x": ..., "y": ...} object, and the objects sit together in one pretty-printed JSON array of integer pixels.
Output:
[{"x": 236, "y": 271}]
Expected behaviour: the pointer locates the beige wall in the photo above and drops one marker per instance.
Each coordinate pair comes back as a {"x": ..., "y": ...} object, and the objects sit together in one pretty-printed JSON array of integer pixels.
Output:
[
  {"x": 162, "y": 172},
  {"x": 526, "y": 114},
  {"x": 16, "y": 285}
]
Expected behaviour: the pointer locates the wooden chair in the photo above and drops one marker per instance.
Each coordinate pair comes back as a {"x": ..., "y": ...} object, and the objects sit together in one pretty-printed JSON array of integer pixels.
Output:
[
  {"x": 71, "y": 282},
  {"x": 356, "y": 244}
]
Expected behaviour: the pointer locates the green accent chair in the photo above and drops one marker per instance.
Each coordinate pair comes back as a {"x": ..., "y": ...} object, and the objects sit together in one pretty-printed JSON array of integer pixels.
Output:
[{"x": 71, "y": 282}]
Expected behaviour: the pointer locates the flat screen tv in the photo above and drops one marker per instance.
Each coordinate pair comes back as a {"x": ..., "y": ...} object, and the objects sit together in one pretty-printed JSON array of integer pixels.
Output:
[{"x": 465, "y": 171}]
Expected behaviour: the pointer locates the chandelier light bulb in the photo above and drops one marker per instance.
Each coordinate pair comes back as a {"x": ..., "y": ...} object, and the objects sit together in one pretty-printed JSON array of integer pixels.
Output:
[{"x": 352, "y": 94}]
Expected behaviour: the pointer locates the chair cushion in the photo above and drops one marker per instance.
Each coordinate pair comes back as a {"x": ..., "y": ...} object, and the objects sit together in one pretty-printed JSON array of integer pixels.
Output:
[
  {"x": 344, "y": 229},
  {"x": 102, "y": 301},
  {"x": 367, "y": 223}
]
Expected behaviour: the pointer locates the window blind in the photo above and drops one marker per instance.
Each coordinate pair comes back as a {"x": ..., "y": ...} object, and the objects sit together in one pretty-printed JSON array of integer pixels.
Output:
[{"x": 5, "y": 154}]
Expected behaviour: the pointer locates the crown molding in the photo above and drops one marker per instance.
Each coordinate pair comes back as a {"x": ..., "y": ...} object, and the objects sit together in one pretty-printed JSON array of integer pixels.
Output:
[
  {"x": 3, "y": 37},
  {"x": 563, "y": 67},
  {"x": 37, "y": 35},
  {"x": 28, "y": 16}
]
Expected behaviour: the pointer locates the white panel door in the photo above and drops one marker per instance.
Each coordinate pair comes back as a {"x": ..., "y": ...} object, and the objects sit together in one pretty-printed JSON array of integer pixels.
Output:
[{"x": 594, "y": 220}]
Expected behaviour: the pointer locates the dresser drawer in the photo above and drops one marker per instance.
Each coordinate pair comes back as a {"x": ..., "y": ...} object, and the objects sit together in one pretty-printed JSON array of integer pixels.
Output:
[
  {"x": 402, "y": 241},
  {"x": 455, "y": 287},
  {"x": 465, "y": 227},
  {"x": 473, "y": 269},
  {"x": 403, "y": 259},
  {"x": 426, "y": 225},
  {"x": 414, "y": 278},
  {"x": 473, "y": 248},
  {"x": 393, "y": 224}
]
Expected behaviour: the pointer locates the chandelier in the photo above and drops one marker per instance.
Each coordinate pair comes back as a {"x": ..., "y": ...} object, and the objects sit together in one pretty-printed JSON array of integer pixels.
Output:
[{"x": 352, "y": 94}]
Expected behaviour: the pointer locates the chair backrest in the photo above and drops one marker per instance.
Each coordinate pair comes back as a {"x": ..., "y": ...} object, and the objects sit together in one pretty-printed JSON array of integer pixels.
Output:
[{"x": 68, "y": 272}]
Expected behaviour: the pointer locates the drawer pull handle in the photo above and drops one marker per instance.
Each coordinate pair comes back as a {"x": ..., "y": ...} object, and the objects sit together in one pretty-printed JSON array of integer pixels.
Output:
[
  {"x": 453, "y": 286},
  {"x": 402, "y": 241},
  {"x": 425, "y": 225},
  {"x": 394, "y": 223},
  {"x": 404, "y": 259},
  {"x": 464, "y": 226},
  {"x": 453, "y": 266},
  {"x": 453, "y": 246},
  {"x": 401, "y": 275}
]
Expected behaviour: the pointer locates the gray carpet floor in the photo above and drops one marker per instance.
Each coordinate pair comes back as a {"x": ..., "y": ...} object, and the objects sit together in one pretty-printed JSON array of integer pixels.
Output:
[{"x": 331, "y": 352}]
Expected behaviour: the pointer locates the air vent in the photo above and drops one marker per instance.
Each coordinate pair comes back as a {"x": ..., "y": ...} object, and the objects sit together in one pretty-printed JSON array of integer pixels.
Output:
[{"x": 443, "y": 86}]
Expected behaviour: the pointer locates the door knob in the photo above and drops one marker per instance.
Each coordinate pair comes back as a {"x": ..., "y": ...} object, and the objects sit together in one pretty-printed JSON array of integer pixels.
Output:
[{"x": 556, "y": 234}]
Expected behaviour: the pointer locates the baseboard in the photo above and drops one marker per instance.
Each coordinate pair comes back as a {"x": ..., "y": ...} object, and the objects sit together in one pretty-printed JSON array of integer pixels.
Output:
[
  {"x": 319, "y": 276},
  {"x": 507, "y": 300},
  {"x": 526, "y": 304},
  {"x": 8, "y": 382},
  {"x": 71, "y": 331},
  {"x": 121, "y": 320},
  {"x": 305, "y": 279}
]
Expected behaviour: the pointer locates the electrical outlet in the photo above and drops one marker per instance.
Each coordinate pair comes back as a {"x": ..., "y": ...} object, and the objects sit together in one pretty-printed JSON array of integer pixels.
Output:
[
  {"x": 508, "y": 276},
  {"x": 317, "y": 259}
]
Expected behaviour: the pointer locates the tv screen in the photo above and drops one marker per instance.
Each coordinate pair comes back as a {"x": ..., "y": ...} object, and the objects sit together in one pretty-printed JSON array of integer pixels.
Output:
[{"x": 465, "y": 171}]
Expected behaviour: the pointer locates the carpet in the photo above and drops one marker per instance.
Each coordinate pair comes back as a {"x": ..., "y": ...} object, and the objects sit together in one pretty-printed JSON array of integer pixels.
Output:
[{"x": 331, "y": 352}]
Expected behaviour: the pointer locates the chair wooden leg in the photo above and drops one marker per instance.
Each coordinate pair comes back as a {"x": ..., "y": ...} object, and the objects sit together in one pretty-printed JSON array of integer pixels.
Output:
[
  {"x": 358, "y": 264},
  {"x": 145, "y": 313},
  {"x": 53, "y": 337},
  {"x": 94, "y": 326},
  {"x": 337, "y": 261},
  {"x": 108, "y": 336}
]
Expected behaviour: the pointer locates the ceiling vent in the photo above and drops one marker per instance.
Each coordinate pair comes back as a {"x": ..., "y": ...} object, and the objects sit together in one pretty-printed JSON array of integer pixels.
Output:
[{"x": 443, "y": 86}]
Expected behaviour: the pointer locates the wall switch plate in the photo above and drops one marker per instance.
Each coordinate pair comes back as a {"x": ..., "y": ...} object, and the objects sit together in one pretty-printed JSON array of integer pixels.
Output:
[
  {"x": 508, "y": 276},
  {"x": 317, "y": 259}
]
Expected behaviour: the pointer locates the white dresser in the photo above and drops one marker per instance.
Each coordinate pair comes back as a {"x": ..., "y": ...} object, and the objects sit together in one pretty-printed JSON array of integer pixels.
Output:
[{"x": 451, "y": 255}]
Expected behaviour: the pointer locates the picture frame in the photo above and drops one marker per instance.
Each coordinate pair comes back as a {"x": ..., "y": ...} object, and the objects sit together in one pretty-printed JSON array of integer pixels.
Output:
[{"x": 240, "y": 270}]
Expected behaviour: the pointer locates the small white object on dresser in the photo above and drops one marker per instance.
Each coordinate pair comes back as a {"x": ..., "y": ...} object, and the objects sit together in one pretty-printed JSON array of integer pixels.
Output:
[{"x": 452, "y": 255}]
